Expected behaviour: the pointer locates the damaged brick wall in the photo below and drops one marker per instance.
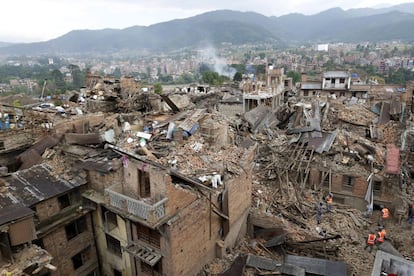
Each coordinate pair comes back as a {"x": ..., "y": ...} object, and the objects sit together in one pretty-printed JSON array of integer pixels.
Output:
[
  {"x": 190, "y": 243},
  {"x": 63, "y": 250}
]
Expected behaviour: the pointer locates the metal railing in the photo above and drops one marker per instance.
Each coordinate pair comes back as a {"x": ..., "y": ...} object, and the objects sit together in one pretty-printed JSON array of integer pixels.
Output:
[{"x": 137, "y": 207}]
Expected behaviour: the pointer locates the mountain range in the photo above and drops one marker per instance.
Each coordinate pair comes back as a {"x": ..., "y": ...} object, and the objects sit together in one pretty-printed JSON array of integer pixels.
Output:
[{"x": 227, "y": 26}]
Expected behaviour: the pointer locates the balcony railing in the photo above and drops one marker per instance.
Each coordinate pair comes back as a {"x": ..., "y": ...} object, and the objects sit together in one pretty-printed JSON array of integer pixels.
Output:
[{"x": 143, "y": 210}]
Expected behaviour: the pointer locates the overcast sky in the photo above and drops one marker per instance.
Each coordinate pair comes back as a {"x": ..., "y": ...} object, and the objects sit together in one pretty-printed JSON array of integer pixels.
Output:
[{"x": 40, "y": 20}]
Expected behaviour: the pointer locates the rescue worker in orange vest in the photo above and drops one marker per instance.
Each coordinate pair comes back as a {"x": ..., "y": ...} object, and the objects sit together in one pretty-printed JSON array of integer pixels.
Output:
[
  {"x": 385, "y": 215},
  {"x": 380, "y": 235},
  {"x": 383, "y": 232},
  {"x": 329, "y": 200},
  {"x": 370, "y": 241}
]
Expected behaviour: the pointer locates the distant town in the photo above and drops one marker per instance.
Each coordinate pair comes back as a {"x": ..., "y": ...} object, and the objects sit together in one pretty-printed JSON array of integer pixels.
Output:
[{"x": 390, "y": 63}]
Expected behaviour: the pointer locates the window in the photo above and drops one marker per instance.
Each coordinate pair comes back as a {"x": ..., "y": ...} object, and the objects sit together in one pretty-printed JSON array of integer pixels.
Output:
[
  {"x": 67, "y": 199},
  {"x": 305, "y": 93},
  {"x": 341, "y": 80},
  {"x": 151, "y": 270},
  {"x": 113, "y": 245},
  {"x": 348, "y": 181},
  {"x": 75, "y": 228},
  {"x": 342, "y": 94},
  {"x": 2, "y": 145},
  {"x": 376, "y": 186},
  {"x": 354, "y": 94},
  {"x": 144, "y": 183},
  {"x": 109, "y": 218},
  {"x": 148, "y": 235},
  {"x": 64, "y": 201},
  {"x": 81, "y": 258}
]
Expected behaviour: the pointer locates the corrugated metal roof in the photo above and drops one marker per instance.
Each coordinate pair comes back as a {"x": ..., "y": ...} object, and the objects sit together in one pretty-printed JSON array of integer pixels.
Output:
[
  {"x": 192, "y": 119},
  {"x": 14, "y": 212},
  {"x": 94, "y": 165},
  {"x": 336, "y": 74},
  {"x": 318, "y": 266},
  {"x": 311, "y": 85},
  {"x": 323, "y": 143},
  {"x": 34, "y": 185}
]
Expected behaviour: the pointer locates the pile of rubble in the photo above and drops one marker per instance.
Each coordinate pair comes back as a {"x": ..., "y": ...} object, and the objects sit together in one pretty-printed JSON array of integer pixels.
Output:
[{"x": 342, "y": 138}]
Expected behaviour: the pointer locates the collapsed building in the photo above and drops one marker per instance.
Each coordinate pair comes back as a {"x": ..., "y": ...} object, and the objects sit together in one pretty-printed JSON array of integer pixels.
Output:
[
  {"x": 139, "y": 204},
  {"x": 127, "y": 182}
]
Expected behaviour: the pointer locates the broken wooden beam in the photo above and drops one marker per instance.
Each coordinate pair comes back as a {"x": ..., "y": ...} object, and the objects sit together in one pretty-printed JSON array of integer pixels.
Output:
[{"x": 83, "y": 139}]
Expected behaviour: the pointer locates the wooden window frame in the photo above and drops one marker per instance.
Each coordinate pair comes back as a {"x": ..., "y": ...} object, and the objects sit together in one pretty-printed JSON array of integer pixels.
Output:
[{"x": 148, "y": 235}]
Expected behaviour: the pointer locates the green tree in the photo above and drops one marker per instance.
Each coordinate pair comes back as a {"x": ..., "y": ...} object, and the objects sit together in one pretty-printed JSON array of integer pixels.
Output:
[
  {"x": 58, "y": 79},
  {"x": 370, "y": 69},
  {"x": 77, "y": 75},
  {"x": 16, "y": 103},
  {"x": 158, "y": 88},
  {"x": 294, "y": 75},
  {"x": 238, "y": 76},
  {"x": 211, "y": 77},
  {"x": 166, "y": 78},
  {"x": 239, "y": 67}
]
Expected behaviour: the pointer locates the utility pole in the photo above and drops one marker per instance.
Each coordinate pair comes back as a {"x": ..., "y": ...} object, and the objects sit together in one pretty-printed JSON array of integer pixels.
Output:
[{"x": 43, "y": 90}]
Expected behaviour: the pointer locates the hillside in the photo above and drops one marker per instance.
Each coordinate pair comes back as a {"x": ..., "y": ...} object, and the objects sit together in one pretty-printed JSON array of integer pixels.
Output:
[{"x": 217, "y": 27}]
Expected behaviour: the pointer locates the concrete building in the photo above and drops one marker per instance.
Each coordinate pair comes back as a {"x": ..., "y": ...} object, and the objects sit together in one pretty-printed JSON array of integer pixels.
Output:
[{"x": 333, "y": 84}]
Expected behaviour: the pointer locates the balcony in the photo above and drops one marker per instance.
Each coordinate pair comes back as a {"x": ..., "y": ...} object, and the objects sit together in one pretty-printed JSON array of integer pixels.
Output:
[
  {"x": 146, "y": 254},
  {"x": 151, "y": 213}
]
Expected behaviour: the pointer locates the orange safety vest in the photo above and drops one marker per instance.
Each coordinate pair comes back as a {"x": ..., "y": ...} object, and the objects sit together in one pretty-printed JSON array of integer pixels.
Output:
[
  {"x": 385, "y": 213},
  {"x": 329, "y": 199},
  {"x": 371, "y": 239},
  {"x": 381, "y": 236},
  {"x": 384, "y": 232}
]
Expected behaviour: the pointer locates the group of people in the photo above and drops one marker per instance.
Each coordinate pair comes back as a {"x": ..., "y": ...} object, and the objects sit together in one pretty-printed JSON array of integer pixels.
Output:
[
  {"x": 373, "y": 238},
  {"x": 376, "y": 238},
  {"x": 379, "y": 237},
  {"x": 329, "y": 201}
]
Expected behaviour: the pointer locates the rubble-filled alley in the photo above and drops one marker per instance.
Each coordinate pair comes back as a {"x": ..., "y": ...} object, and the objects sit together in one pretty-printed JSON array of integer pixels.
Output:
[{"x": 267, "y": 180}]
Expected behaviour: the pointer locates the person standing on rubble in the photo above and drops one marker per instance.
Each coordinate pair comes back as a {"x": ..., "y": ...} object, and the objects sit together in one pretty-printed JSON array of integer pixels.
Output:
[
  {"x": 329, "y": 201},
  {"x": 319, "y": 213},
  {"x": 370, "y": 241},
  {"x": 385, "y": 215},
  {"x": 380, "y": 235},
  {"x": 410, "y": 214}
]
